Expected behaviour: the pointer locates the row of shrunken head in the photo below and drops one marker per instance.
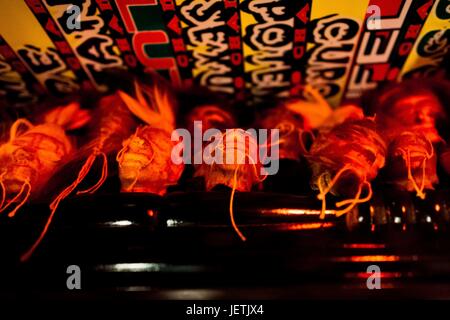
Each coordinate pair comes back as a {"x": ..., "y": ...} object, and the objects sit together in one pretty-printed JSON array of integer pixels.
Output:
[{"x": 396, "y": 132}]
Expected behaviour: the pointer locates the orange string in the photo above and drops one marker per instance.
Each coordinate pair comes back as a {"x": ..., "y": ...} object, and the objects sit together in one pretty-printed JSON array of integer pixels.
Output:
[
  {"x": 125, "y": 145},
  {"x": 323, "y": 191},
  {"x": 353, "y": 202},
  {"x": 252, "y": 161},
  {"x": 30, "y": 251},
  {"x": 333, "y": 181},
  {"x": 419, "y": 190},
  {"x": 17, "y": 197},
  {"x": 102, "y": 179},
  {"x": 24, "y": 200},
  {"x": 130, "y": 188},
  {"x": 15, "y": 127},
  {"x": 55, "y": 203},
  {"x": 430, "y": 155},
  {"x": 120, "y": 156},
  {"x": 2, "y": 185},
  {"x": 424, "y": 168},
  {"x": 233, "y": 223}
]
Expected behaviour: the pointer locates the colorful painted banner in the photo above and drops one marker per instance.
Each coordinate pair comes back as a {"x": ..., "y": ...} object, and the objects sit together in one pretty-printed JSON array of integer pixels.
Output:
[
  {"x": 235, "y": 47},
  {"x": 118, "y": 34},
  {"x": 334, "y": 32},
  {"x": 205, "y": 28},
  {"x": 144, "y": 23},
  {"x": 91, "y": 42},
  {"x": 246, "y": 49},
  {"x": 299, "y": 57},
  {"x": 268, "y": 33},
  {"x": 178, "y": 39},
  {"x": 17, "y": 85},
  {"x": 35, "y": 49},
  {"x": 391, "y": 28},
  {"x": 432, "y": 45},
  {"x": 64, "y": 49}
]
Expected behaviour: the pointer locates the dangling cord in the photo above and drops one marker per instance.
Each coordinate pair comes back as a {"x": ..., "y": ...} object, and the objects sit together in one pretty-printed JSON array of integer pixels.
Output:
[
  {"x": 130, "y": 188},
  {"x": 243, "y": 238},
  {"x": 125, "y": 146},
  {"x": 418, "y": 189},
  {"x": 321, "y": 183},
  {"x": 424, "y": 168},
  {"x": 15, "y": 127},
  {"x": 424, "y": 165},
  {"x": 24, "y": 200},
  {"x": 53, "y": 206},
  {"x": 2, "y": 185},
  {"x": 221, "y": 146},
  {"x": 323, "y": 190},
  {"x": 103, "y": 177},
  {"x": 119, "y": 157},
  {"x": 430, "y": 155},
  {"x": 16, "y": 198},
  {"x": 355, "y": 201},
  {"x": 55, "y": 203},
  {"x": 90, "y": 162}
]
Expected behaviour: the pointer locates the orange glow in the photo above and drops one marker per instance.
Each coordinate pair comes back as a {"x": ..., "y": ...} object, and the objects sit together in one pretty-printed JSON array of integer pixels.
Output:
[
  {"x": 150, "y": 213},
  {"x": 388, "y": 275},
  {"x": 364, "y": 246},
  {"x": 370, "y": 258},
  {"x": 437, "y": 207},
  {"x": 310, "y": 226},
  {"x": 288, "y": 212}
]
